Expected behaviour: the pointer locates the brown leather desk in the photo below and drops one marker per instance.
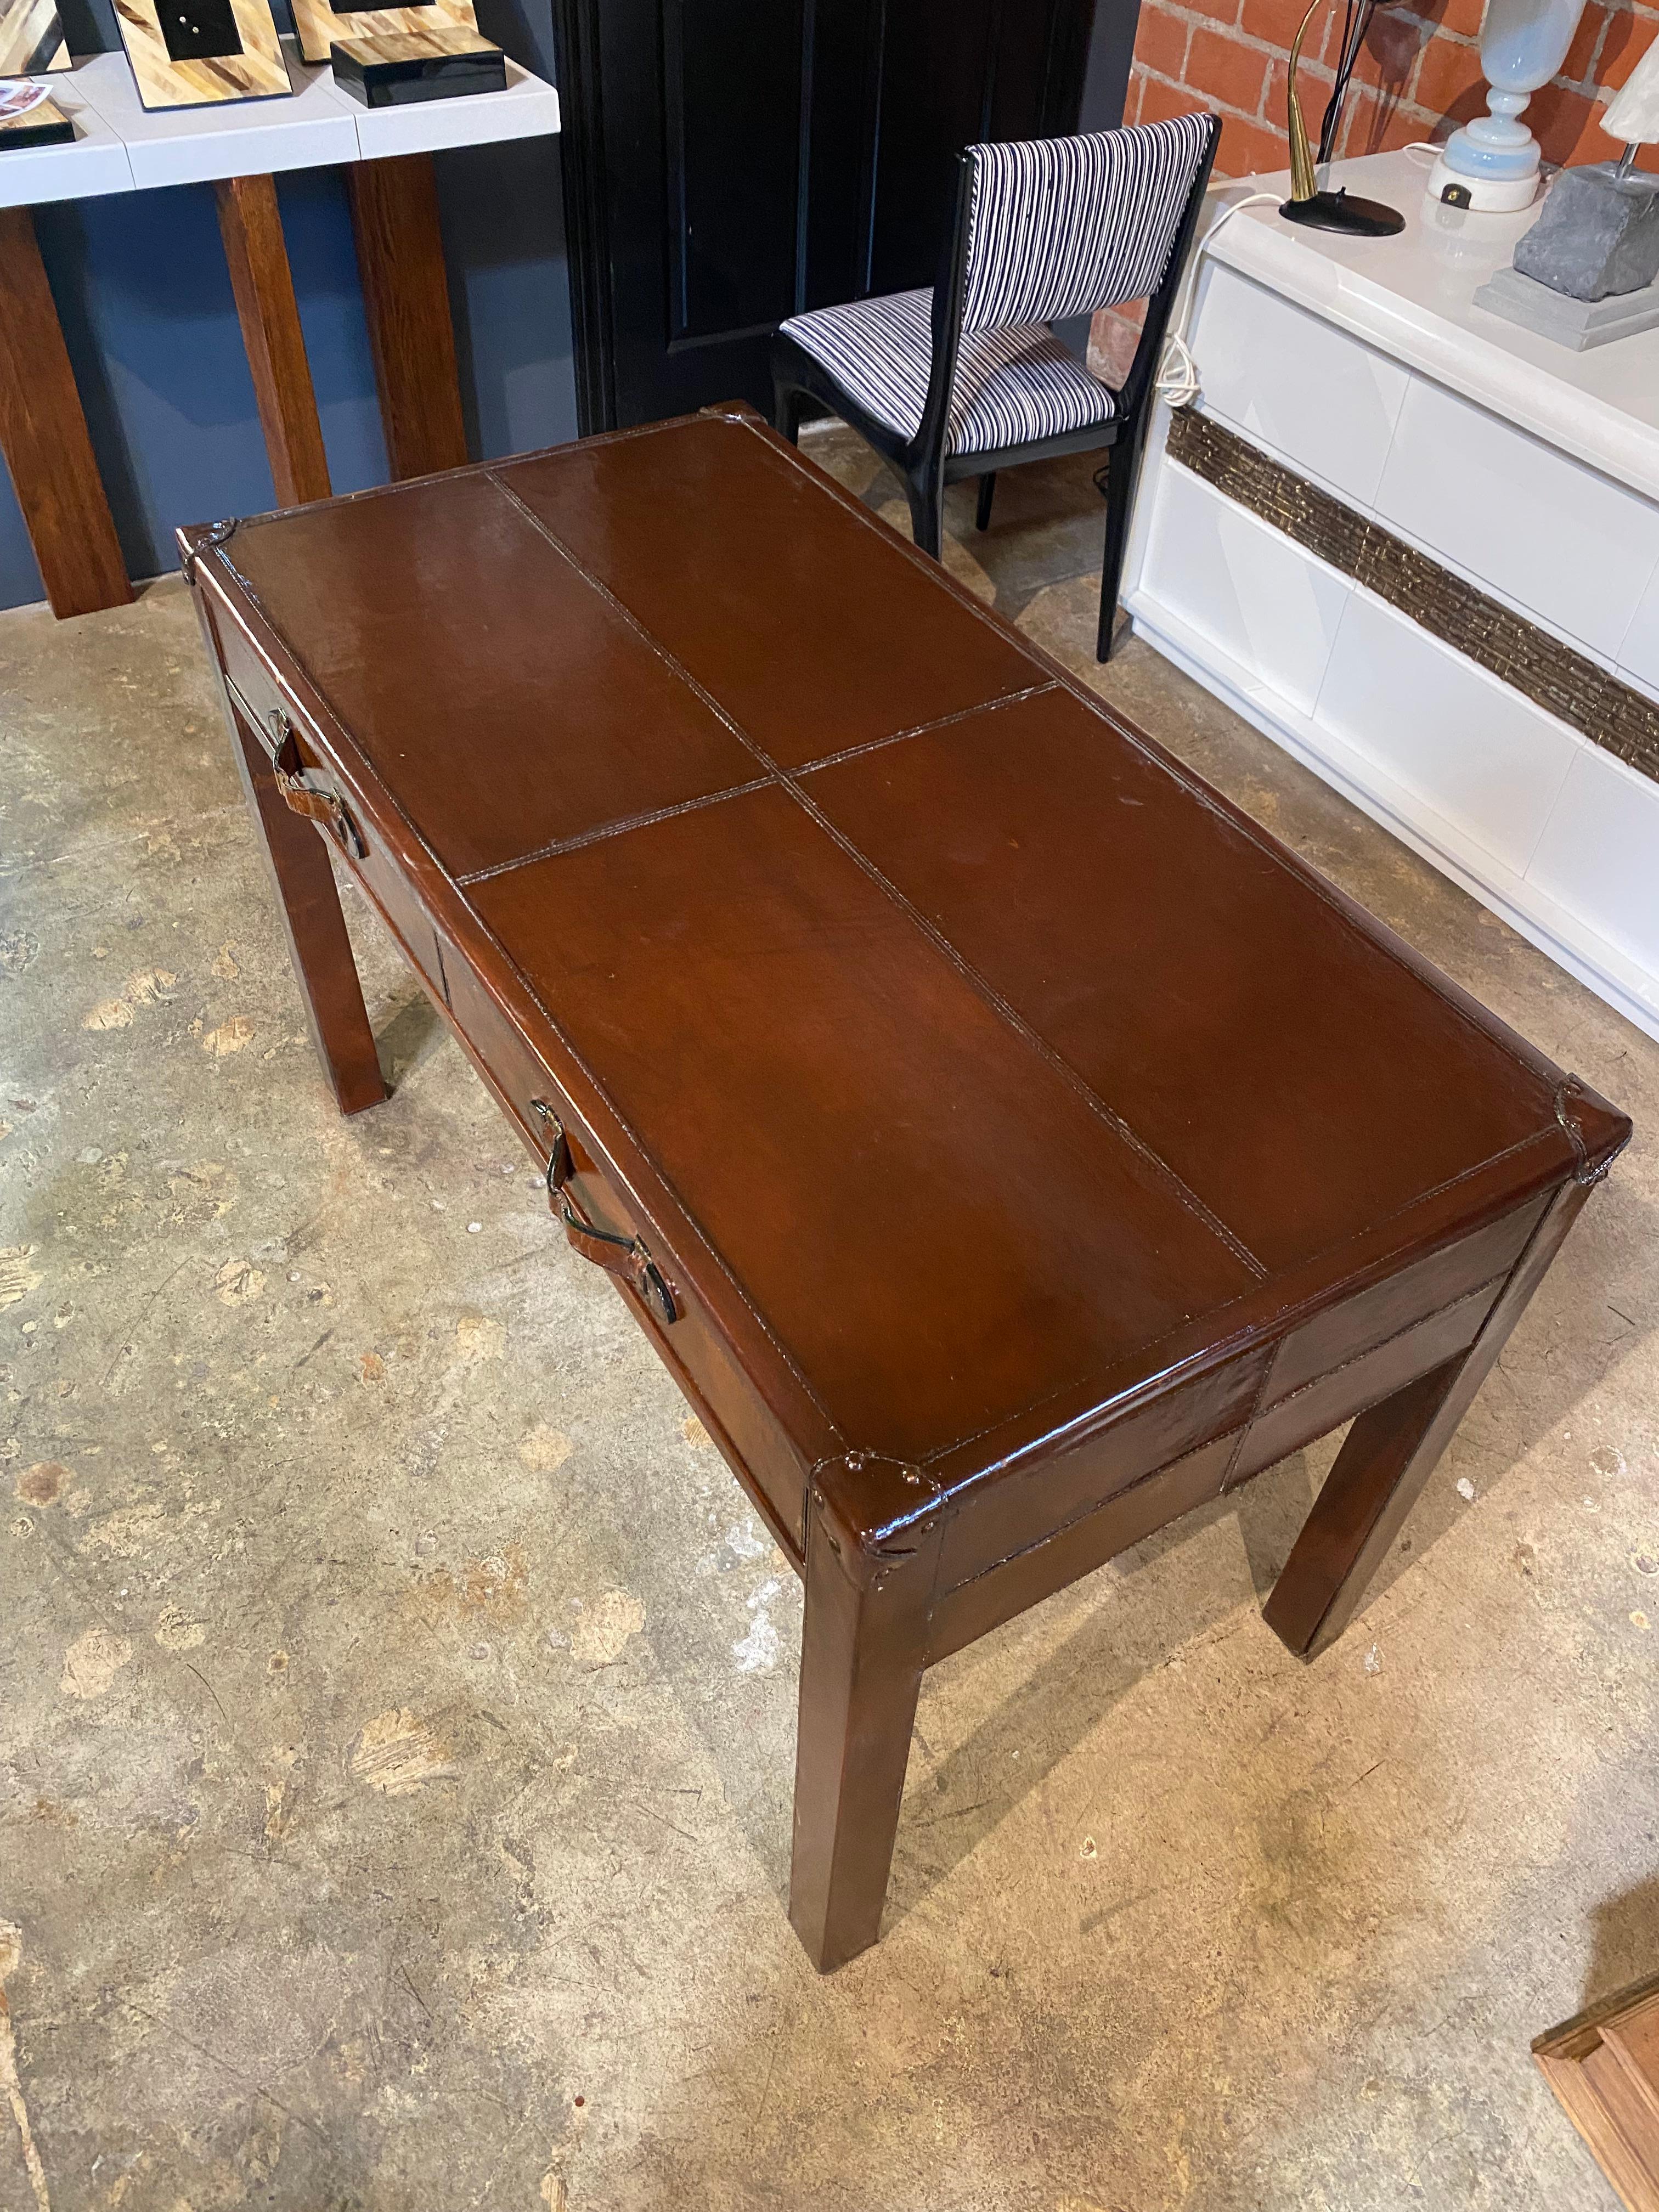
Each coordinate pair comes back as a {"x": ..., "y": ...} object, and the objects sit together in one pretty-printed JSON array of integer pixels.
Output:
[{"x": 1006, "y": 1144}]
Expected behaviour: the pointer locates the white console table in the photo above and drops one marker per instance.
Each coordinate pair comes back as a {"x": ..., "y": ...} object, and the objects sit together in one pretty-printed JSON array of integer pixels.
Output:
[
  {"x": 1402, "y": 534},
  {"x": 239, "y": 147}
]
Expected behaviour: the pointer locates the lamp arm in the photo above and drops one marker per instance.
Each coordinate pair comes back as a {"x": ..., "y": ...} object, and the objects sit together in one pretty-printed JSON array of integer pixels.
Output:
[{"x": 1304, "y": 184}]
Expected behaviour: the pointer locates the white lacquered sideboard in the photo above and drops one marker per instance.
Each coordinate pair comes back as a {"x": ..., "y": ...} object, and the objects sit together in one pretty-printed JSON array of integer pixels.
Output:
[{"x": 1420, "y": 548}]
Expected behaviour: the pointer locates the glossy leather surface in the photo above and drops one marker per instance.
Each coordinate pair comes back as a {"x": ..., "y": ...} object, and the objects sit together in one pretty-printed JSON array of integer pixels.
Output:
[{"x": 961, "y": 1078}]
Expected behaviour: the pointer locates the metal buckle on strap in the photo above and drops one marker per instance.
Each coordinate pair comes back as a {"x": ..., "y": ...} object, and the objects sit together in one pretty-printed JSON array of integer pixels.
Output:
[
  {"x": 302, "y": 794},
  {"x": 626, "y": 1257}
]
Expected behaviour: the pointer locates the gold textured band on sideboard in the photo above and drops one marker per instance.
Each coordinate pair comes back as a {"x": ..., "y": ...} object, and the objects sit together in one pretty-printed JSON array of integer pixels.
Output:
[{"x": 1611, "y": 713}]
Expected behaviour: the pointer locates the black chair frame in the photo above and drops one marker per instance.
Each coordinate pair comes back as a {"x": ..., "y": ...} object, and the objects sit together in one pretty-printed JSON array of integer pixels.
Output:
[{"x": 923, "y": 461}]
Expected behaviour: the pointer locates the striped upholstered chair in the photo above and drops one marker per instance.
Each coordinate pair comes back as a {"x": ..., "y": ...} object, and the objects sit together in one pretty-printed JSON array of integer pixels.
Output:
[{"x": 969, "y": 379}]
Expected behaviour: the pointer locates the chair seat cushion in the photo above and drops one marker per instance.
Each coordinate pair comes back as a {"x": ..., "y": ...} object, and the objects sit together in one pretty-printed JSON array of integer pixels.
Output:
[{"x": 1013, "y": 386}]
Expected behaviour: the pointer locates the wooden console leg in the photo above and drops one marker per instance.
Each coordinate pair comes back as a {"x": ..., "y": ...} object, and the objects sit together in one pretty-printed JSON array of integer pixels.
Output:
[
  {"x": 400, "y": 260},
  {"x": 43, "y": 434},
  {"x": 862, "y": 1656},
  {"x": 315, "y": 928},
  {"x": 1389, "y": 1455},
  {"x": 262, "y": 282}
]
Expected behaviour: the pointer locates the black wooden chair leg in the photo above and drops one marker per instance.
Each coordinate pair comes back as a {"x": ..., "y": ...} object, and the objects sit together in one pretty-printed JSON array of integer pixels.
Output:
[
  {"x": 987, "y": 486},
  {"x": 927, "y": 501},
  {"x": 1122, "y": 474},
  {"x": 787, "y": 401}
]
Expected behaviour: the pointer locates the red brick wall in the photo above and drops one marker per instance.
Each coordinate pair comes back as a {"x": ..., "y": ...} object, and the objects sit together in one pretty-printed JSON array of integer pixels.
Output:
[{"x": 1418, "y": 76}]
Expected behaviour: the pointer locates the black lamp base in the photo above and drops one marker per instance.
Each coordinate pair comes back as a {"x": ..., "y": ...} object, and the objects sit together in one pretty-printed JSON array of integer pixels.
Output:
[{"x": 1338, "y": 211}]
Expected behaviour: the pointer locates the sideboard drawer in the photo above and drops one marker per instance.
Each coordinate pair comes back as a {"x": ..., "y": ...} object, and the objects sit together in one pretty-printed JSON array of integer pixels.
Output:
[
  {"x": 1525, "y": 521},
  {"x": 1290, "y": 380}
]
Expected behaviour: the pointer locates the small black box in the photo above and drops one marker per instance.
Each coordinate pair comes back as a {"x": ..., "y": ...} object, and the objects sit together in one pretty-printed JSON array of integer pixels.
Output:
[
  {"x": 403, "y": 66},
  {"x": 46, "y": 125}
]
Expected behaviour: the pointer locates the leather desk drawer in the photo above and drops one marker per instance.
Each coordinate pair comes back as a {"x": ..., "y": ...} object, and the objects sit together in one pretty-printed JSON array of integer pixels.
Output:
[
  {"x": 270, "y": 712},
  {"x": 735, "y": 1416},
  {"x": 1342, "y": 1332},
  {"x": 246, "y": 673},
  {"x": 1325, "y": 1404},
  {"x": 1079, "y": 1547},
  {"x": 996, "y": 1520}
]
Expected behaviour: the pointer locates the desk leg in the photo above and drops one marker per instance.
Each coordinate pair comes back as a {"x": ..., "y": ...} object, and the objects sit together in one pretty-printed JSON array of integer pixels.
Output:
[
  {"x": 1389, "y": 1455},
  {"x": 309, "y": 904},
  {"x": 862, "y": 1654},
  {"x": 43, "y": 434},
  {"x": 400, "y": 260},
  {"x": 262, "y": 282}
]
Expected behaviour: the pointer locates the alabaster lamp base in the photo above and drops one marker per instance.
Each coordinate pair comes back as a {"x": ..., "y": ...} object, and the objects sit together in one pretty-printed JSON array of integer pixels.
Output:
[{"x": 1484, "y": 195}]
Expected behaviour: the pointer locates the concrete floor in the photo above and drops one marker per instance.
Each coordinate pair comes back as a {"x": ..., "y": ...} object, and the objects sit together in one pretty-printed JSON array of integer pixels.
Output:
[{"x": 396, "y": 1696}]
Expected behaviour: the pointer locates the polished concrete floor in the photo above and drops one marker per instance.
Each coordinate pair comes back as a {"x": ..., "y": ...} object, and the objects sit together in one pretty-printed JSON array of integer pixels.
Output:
[{"x": 396, "y": 1695}]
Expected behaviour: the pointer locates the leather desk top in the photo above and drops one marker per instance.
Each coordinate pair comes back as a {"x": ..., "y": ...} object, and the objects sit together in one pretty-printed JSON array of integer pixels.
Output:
[{"x": 981, "y": 1067}]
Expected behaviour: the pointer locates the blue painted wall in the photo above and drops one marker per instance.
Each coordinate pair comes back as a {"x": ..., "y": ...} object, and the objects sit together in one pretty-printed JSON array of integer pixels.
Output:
[{"x": 145, "y": 301}]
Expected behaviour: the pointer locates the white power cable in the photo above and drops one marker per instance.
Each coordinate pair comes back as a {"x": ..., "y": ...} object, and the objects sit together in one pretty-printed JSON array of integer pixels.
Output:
[{"x": 1177, "y": 379}]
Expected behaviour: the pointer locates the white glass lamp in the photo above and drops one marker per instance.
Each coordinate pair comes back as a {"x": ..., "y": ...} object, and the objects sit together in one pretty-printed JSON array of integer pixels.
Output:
[{"x": 1491, "y": 163}]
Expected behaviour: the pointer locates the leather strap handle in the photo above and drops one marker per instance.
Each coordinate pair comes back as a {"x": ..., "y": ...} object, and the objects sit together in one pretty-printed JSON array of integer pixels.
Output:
[
  {"x": 626, "y": 1257},
  {"x": 304, "y": 796}
]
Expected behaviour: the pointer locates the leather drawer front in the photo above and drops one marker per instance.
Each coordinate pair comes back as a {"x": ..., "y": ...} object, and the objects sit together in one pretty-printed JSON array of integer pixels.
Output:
[
  {"x": 1015, "y": 1510},
  {"x": 258, "y": 689},
  {"x": 691, "y": 1348},
  {"x": 379, "y": 876},
  {"x": 407, "y": 918},
  {"x": 1322, "y": 1405},
  {"x": 1332, "y": 1338},
  {"x": 1078, "y": 1548}
]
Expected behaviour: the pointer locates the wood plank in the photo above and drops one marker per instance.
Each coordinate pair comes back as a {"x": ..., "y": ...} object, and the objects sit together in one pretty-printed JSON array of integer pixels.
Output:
[
  {"x": 260, "y": 278},
  {"x": 1603, "y": 2065},
  {"x": 400, "y": 260},
  {"x": 43, "y": 434}
]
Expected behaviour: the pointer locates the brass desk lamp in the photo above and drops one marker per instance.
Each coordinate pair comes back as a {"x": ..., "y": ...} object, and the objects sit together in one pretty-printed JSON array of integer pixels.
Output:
[{"x": 1339, "y": 210}]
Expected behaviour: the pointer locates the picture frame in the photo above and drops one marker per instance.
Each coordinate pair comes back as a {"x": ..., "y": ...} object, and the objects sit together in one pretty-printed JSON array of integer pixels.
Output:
[
  {"x": 32, "y": 38},
  {"x": 200, "y": 53},
  {"x": 321, "y": 27}
]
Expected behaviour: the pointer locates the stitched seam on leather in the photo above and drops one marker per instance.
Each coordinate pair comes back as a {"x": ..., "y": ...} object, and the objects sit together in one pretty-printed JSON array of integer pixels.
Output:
[
  {"x": 1493, "y": 1283},
  {"x": 644, "y": 821},
  {"x": 1016, "y": 1021},
  {"x": 1186, "y": 1196},
  {"x": 604, "y": 830},
  {"x": 1101, "y": 1505},
  {"x": 1064, "y": 678},
  {"x": 923, "y": 729},
  {"x": 1326, "y": 1298},
  {"x": 1438, "y": 1190},
  {"x": 792, "y": 462},
  {"x": 1239, "y": 1442}
]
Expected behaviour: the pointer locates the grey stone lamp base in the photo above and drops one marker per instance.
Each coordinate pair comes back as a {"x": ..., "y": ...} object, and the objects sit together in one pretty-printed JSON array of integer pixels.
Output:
[{"x": 1580, "y": 323}]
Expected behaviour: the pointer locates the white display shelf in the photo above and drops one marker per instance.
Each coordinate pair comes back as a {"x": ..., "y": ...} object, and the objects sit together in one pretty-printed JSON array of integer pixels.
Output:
[
  {"x": 528, "y": 109},
  {"x": 312, "y": 130},
  {"x": 120, "y": 146}
]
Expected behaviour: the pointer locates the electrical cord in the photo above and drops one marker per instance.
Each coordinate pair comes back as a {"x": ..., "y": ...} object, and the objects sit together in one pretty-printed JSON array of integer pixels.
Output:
[{"x": 1177, "y": 381}]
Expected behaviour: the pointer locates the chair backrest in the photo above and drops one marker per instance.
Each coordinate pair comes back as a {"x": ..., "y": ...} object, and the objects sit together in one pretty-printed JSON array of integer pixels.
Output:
[{"x": 1064, "y": 226}]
